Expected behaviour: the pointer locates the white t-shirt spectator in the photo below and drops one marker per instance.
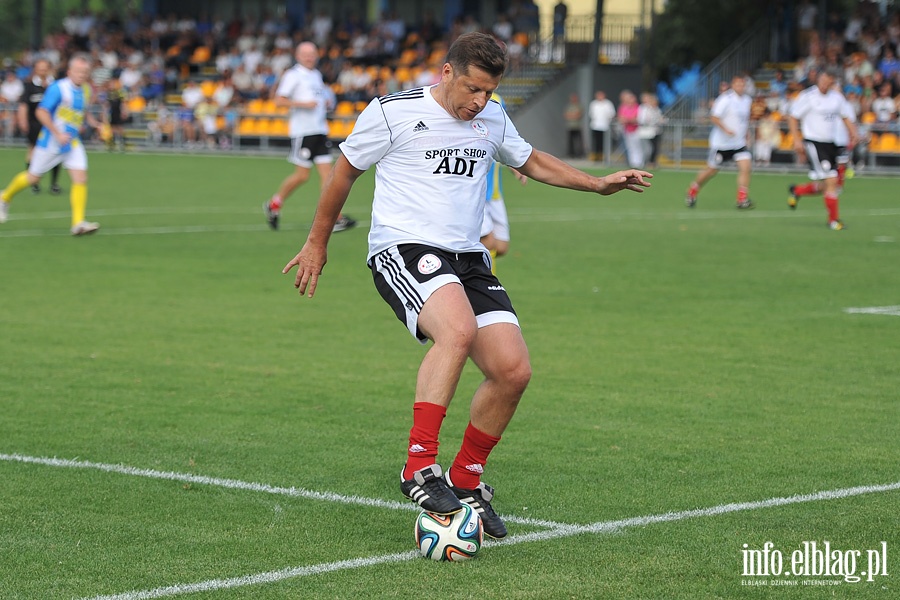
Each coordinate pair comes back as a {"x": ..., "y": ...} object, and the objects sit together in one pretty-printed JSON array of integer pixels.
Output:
[
  {"x": 601, "y": 114},
  {"x": 12, "y": 88},
  {"x": 191, "y": 95}
]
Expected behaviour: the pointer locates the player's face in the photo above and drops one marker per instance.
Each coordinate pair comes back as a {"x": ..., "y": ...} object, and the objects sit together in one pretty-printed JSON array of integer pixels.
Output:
[
  {"x": 824, "y": 82},
  {"x": 79, "y": 71},
  {"x": 738, "y": 85},
  {"x": 307, "y": 55},
  {"x": 41, "y": 69},
  {"x": 467, "y": 94}
]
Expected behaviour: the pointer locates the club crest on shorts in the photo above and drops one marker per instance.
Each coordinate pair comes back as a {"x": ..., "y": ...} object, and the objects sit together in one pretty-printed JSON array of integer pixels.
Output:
[
  {"x": 428, "y": 264},
  {"x": 480, "y": 128}
]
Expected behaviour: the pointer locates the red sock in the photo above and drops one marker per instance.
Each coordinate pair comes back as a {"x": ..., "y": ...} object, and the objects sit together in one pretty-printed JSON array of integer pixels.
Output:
[
  {"x": 276, "y": 202},
  {"x": 423, "y": 437},
  {"x": 841, "y": 171},
  {"x": 469, "y": 463},
  {"x": 807, "y": 189},
  {"x": 742, "y": 194},
  {"x": 831, "y": 202},
  {"x": 693, "y": 190}
]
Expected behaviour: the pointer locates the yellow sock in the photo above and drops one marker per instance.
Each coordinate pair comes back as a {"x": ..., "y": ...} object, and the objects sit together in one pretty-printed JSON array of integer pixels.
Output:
[
  {"x": 493, "y": 262},
  {"x": 78, "y": 200},
  {"x": 18, "y": 183}
]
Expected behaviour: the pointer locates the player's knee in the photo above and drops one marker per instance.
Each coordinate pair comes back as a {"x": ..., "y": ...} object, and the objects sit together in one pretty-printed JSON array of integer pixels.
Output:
[{"x": 515, "y": 379}]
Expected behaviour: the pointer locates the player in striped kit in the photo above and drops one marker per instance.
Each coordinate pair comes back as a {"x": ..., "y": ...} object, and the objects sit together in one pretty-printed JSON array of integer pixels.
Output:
[{"x": 62, "y": 113}]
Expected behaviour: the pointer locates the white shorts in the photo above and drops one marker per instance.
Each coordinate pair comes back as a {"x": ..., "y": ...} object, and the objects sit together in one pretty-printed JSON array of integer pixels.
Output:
[
  {"x": 42, "y": 159},
  {"x": 495, "y": 220}
]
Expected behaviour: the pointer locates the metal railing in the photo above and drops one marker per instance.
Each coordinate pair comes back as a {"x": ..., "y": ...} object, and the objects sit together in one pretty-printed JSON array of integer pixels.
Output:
[{"x": 745, "y": 54}]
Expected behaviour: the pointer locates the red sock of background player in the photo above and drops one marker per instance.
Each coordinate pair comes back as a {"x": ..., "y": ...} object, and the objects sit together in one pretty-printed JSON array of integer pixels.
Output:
[
  {"x": 423, "y": 437},
  {"x": 841, "y": 171},
  {"x": 469, "y": 463},
  {"x": 276, "y": 202},
  {"x": 742, "y": 194},
  {"x": 831, "y": 202},
  {"x": 807, "y": 189}
]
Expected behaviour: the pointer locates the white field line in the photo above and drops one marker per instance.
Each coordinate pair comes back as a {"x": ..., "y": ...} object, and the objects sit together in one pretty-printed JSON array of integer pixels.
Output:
[
  {"x": 235, "y": 484},
  {"x": 566, "y": 531},
  {"x": 874, "y": 310}
]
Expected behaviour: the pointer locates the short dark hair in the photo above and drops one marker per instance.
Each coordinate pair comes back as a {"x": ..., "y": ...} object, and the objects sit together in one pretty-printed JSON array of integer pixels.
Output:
[{"x": 477, "y": 50}]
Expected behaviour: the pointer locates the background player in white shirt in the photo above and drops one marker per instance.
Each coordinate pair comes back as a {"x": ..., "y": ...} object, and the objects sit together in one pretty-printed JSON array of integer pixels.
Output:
[
  {"x": 302, "y": 90},
  {"x": 815, "y": 114},
  {"x": 728, "y": 141},
  {"x": 432, "y": 148}
]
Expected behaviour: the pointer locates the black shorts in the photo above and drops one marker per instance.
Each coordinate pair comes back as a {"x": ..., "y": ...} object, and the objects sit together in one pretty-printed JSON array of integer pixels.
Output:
[
  {"x": 822, "y": 158},
  {"x": 34, "y": 130},
  {"x": 407, "y": 275},
  {"x": 310, "y": 149},
  {"x": 718, "y": 157}
]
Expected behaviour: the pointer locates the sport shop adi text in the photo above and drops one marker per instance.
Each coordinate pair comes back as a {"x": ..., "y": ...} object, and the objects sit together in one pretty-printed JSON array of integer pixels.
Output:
[{"x": 813, "y": 559}]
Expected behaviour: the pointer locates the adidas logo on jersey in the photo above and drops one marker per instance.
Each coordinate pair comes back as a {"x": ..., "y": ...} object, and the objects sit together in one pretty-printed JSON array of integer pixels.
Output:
[{"x": 420, "y": 126}]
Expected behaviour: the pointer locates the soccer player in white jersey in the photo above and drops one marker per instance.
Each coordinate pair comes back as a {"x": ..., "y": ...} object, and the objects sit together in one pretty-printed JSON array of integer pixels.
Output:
[
  {"x": 814, "y": 114},
  {"x": 728, "y": 141},
  {"x": 432, "y": 148},
  {"x": 302, "y": 90},
  {"x": 62, "y": 112}
]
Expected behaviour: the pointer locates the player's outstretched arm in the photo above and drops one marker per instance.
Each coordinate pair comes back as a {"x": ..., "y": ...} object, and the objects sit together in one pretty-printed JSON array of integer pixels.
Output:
[
  {"x": 552, "y": 171},
  {"x": 312, "y": 257}
]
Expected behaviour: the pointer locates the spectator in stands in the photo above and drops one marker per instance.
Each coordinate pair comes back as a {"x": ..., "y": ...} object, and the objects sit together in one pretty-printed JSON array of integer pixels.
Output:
[
  {"x": 768, "y": 136},
  {"x": 884, "y": 108},
  {"x": 503, "y": 28},
  {"x": 116, "y": 113},
  {"x": 205, "y": 114},
  {"x": 601, "y": 114},
  {"x": 628, "y": 121},
  {"x": 12, "y": 88},
  {"x": 321, "y": 28},
  {"x": 224, "y": 93},
  {"x": 243, "y": 83},
  {"x": 573, "y": 115},
  {"x": 889, "y": 65},
  {"x": 650, "y": 121},
  {"x": 778, "y": 84},
  {"x": 806, "y": 25}
]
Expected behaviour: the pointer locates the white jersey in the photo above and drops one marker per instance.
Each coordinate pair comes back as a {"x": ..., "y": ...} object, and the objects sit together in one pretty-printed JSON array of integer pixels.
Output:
[
  {"x": 300, "y": 84},
  {"x": 841, "y": 133},
  {"x": 733, "y": 110},
  {"x": 818, "y": 113},
  {"x": 430, "y": 168}
]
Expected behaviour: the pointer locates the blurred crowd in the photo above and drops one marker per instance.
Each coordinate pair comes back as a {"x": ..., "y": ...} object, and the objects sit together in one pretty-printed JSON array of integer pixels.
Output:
[{"x": 189, "y": 68}]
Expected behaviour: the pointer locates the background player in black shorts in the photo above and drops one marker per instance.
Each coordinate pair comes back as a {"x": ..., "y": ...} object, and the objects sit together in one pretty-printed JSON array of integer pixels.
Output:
[{"x": 31, "y": 97}]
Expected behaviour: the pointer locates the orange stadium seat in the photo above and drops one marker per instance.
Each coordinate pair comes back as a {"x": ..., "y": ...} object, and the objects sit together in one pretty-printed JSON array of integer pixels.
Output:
[
  {"x": 255, "y": 107},
  {"x": 247, "y": 126},
  {"x": 201, "y": 55},
  {"x": 137, "y": 104},
  {"x": 208, "y": 87},
  {"x": 867, "y": 118},
  {"x": 280, "y": 127},
  {"x": 874, "y": 143},
  {"x": 889, "y": 142},
  {"x": 344, "y": 108},
  {"x": 787, "y": 141},
  {"x": 360, "y": 106},
  {"x": 269, "y": 107}
]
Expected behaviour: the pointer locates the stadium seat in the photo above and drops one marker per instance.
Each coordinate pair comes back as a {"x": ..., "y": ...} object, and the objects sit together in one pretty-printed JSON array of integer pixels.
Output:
[
  {"x": 867, "y": 118},
  {"x": 787, "y": 141},
  {"x": 888, "y": 143},
  {"x": 247, "y": 126},
  {"x": 360, "y": 106},
  {"x": 137, "y": 104},
  {"x": 208, "y": 87},
  {"x": 255, "y": 107},
  {"x": 280, "y": 127},
  {"x": 268, "y": 107},
  {"x": 201, "y": 55},
  {"x": 344, "y": 108},
  {"x": 874, "y": 143}
]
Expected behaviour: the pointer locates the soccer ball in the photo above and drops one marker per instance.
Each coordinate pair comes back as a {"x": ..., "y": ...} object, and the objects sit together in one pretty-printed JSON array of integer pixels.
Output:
[{"x": 449, "y": 537}]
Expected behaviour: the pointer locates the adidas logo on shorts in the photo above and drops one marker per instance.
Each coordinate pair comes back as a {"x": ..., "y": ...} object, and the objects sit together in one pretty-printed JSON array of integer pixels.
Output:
[{"x": 420, "y": 126}]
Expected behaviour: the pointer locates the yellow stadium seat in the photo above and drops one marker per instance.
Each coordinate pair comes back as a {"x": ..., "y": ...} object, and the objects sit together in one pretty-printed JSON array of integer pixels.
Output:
[
  {"x": 269, "y": 107},
  {"x": 280, "y": 127},
  {"x": 787, "y": 141},
  {"x": 344, "y": 108},
  {"x": 201, "y": 55},
  {"x": 336, "y": 129},
  {"x": 889, "y": 142},
  {"x": 360, "y": 106},
  {"x": 208, "y": 87},
  {"x": 247, "y": 126},
  {"x": 137, "y": 104},
  {"x": 874, "y": 143},
  {"x": 867, "y": 118},
  {"x": 255, "y": 107}
]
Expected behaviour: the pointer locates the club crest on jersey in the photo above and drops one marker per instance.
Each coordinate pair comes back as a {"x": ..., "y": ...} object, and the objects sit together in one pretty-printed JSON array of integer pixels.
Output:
[
  {"x": 480, "y": 128},
  {"x": 428, "y": 264}
]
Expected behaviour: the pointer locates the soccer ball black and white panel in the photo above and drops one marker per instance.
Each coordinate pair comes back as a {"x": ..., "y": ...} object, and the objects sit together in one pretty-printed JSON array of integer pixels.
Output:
[{"x": 449, "y": 537}]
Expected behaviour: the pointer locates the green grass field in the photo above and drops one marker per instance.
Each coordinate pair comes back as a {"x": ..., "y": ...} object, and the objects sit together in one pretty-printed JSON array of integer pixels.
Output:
[{"x": 684, "y": 361}]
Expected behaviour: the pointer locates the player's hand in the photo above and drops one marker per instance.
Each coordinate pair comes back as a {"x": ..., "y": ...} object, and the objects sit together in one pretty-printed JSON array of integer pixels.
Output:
[
  {"x": 309, "y": 262},
  {"x": 63, "y": 138},
  {"x": 632, "y": 179},
  {"x": 523, "y": 179}
]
